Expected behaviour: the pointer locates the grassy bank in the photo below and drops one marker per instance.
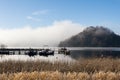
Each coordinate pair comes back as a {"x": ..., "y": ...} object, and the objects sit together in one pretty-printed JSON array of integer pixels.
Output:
[{"x": 82, "y": 65}]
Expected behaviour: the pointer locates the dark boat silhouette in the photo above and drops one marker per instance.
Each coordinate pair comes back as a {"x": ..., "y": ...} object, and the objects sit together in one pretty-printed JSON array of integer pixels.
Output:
[{"x": 64, "y": 51}]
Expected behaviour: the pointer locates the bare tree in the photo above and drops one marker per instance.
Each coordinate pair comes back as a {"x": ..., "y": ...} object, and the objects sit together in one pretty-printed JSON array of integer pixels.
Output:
[{"x": 3, "y": 46}]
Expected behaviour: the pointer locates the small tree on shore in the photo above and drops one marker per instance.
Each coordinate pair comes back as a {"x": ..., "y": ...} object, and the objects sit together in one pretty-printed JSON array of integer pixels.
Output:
[{"x": 3, "y": 46}]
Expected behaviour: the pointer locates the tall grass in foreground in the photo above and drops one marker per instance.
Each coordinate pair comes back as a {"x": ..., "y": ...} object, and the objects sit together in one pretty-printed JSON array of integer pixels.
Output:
[
  {"x": 55, "y": 75},
  {"x": 82, "y": 65}
]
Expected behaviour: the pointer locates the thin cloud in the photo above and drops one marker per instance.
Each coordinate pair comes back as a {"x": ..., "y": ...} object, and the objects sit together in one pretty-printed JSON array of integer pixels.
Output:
[
  {"x": 36, "y": 13},
  {"x": 35, "y": 37},
  {"x": 33, "y": 18},
  {"x": 42, "y": 12},
  {"x": 29, "y": 17}
]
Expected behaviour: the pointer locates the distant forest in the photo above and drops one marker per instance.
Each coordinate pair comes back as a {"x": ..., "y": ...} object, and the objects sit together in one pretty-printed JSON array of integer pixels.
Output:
[{"x": 98, "y": 36}]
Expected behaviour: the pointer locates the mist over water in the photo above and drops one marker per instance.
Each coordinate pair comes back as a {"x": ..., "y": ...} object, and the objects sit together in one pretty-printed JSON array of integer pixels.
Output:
[{"x": 36, "y": 37}]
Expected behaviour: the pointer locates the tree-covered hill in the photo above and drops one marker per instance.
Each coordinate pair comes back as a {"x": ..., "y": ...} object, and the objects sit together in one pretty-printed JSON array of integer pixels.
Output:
[{"x": 93, "y": 37}]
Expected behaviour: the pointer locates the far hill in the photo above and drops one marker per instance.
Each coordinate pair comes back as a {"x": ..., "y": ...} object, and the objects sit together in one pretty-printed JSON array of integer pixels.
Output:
[{"x": 93, "y": 37}]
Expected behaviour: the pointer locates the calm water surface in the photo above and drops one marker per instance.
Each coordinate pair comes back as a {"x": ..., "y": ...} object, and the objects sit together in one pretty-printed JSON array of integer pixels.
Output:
[{"x": 76, "y": 52}]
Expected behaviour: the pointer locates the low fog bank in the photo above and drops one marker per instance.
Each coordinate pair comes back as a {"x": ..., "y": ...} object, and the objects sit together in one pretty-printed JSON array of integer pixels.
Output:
[{"x": 37, "y": 37}]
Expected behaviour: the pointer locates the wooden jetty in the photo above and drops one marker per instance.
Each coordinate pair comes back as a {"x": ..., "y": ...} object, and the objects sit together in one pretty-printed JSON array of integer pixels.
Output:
[{"x": 26, "y": 51}]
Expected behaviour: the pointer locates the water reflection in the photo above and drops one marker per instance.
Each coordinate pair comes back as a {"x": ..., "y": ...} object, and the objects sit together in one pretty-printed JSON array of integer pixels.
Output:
[
  {"x": 56, "y": 57},
  {"x": 91, "y": 53},
  {"x": 75, "y": 53}
]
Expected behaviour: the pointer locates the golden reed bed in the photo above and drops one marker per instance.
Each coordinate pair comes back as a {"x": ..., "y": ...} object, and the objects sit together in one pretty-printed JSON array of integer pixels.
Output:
[
  {"x": 55, "y": 75},
  {"x": 82, "y": 69}
]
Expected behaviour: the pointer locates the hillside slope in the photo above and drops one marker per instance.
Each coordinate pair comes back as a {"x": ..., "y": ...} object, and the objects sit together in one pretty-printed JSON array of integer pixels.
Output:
[{"x": 93, "y": 37}]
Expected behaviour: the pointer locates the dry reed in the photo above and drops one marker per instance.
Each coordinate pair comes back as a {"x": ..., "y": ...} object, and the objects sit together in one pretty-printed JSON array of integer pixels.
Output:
[
  {"x": 56, "y": 75},
  {"x": 82, "y": 65}
]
